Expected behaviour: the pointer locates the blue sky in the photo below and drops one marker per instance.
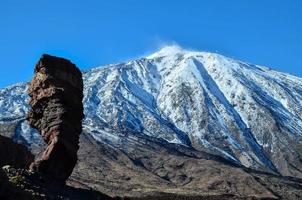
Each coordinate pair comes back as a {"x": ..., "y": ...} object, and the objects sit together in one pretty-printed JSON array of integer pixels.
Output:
[{"x": 98, "y": 32}]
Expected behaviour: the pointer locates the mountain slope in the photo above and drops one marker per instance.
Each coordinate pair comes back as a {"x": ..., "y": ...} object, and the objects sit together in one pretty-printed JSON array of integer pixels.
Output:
[
  {"x": 205, "y": 101},
  {"x": 247, "y": 114}
]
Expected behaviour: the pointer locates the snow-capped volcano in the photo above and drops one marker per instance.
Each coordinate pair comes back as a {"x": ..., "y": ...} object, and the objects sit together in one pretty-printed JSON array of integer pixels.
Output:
[{"x": 246, "y": 113}]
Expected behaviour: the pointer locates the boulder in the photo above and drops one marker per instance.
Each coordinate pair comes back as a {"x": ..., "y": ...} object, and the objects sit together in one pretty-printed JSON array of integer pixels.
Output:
[{"x": 14, "y": 154}]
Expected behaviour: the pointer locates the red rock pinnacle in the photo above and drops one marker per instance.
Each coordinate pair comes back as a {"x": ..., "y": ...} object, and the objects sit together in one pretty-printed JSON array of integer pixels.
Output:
[{"x": 56, "y": 93}]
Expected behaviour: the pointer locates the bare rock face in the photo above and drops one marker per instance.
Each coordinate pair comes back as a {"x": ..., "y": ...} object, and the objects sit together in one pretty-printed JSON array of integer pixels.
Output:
[{"x": 56, "y": 93}]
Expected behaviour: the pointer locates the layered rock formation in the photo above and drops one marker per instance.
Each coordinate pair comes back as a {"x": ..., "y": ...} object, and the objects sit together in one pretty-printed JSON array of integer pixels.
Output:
[{"x": 56, "y": 93}]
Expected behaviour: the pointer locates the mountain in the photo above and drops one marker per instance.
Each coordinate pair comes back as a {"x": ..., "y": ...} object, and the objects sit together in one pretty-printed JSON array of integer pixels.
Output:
[{"x": 164, "y": 120}]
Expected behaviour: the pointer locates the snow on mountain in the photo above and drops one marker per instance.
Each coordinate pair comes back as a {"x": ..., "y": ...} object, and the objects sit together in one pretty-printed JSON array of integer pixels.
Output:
[{"x": 246, "y": 113}]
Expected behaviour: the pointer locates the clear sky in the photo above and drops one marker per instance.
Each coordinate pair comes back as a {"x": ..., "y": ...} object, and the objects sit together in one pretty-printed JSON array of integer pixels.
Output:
[{"x": 98, "y": 32}]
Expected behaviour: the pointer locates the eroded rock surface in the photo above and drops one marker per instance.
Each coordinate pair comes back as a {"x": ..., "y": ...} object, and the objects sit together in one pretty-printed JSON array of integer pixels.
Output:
[{"x": 56, "y": 93}]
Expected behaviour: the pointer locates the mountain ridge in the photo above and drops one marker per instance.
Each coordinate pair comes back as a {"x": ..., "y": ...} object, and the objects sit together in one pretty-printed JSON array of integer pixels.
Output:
[{"x": 245, "y": 113}]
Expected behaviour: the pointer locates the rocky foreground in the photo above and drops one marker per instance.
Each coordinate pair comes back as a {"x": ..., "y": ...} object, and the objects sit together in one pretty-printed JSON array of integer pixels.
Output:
[
  {"x": 21, "y": 184},
  {"x": 216, "y": 179}
]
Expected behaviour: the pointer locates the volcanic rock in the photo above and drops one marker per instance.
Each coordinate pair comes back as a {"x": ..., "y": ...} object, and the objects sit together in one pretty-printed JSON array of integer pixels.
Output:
[
  {"x": 14, "y": 154},
  {"x": 3, "y": 180},
  {"x": 56, "y": 93},
  {"x": 22, "y": 184}
]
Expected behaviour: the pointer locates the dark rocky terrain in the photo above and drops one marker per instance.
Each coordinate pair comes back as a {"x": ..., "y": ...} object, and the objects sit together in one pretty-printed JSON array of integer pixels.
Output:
[
  {"x": 175, "y": 173},
  {"x": 150, "y": 169},
  {"x": 14, "y": 154},
  {"x": 21, "y": 184}
]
